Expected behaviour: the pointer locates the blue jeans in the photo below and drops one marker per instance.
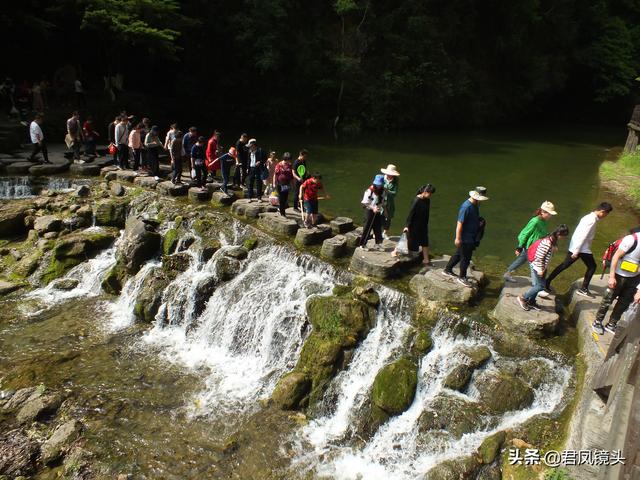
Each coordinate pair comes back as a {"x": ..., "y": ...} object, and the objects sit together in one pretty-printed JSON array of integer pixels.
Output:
[
  {"x": 519, "y": 261},
  {"x": 538, "y": 285}
]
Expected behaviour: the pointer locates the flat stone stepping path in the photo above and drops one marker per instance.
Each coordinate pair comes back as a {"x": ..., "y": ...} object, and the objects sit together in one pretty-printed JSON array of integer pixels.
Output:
[
  {"x": 297, "y": 216},
  {"x": 146, "y": 182},
  {"x": 353, "y": 238},
  {"x": 171, "y": 190},
  {"x": 87, "y": 169},
  {"x": 334, "y": 247},
  {"x": 515, "y": 320},
  {"x": 341, "y": 225},
  {"x": 21, "y": 167},
  {"x": 10, "y": 160},
  {"x": 277, "y": 224},
  {"x": 220, "y": 199},
  {"x": 48, "y": 168},
  {"x": 198, "y": 195},
  {"x": 433, "y": 286},
  {"x": 380, "y": 264},
  {"x": 251, "y": 208},
  {"x": 312, "y": 236}
]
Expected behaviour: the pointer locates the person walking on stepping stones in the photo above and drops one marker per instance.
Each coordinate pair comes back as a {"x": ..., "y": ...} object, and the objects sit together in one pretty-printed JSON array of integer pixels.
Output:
[
  {"x": 469, "y": 230},
  {"x": 417, "y": 224},
  {"x": 373, "y": 201}
]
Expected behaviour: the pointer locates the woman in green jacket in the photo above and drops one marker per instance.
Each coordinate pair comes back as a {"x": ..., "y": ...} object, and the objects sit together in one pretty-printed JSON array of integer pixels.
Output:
[
  {"x": 391, "y": 175},
  {"x": 535, "y": 229}
]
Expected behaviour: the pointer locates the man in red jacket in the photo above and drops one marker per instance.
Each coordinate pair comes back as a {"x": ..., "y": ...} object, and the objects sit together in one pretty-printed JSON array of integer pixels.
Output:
[{"x": 212, "y": 152}]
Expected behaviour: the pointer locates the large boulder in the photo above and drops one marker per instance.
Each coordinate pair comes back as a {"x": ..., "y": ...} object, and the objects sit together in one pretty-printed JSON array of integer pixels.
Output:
[
  {"x": 125, "y": 175},
  {"x": 502, "y": 392},
  {"x": 8, "y": 287},
  {"x": 395, "y": 386},
  {"x": 60, "y": 441},
  {"x": 27, "y": 264},
  {"x": 117, "y": 190},
  {"x": 19, "y": 168},
  {"x": 140, "y": 243},
  {"x": 111, "y": 212},
  {"x": 145, "y": 182},
  {"x": 454, "y": 415},
  {"x": 150, "y": 296},
  {"x": 276, "y": 224},
  {"x": 48, "y": 169},
  {"x": 171, "y": 189},
  {"x": 227, "y": 268},
  {"x": 47, "y": 223},
  {"x": 334, "y": 247},
  {"x": 433, "y": 286},
  {"x": 380, "y": 264},
  {"x": 12, "y": 218},
  {"x": 221, "y": 199},
  {"x": 290, "y": 390},
  {"x": 198, "y": 195},
  {"x": 38, "y": 406},
  {"x": 312, "y": 236},
  {"x": 65, "y": 284}
]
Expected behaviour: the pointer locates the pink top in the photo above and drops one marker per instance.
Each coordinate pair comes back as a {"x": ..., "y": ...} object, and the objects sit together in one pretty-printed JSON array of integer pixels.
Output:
[{"x": 134, "y": 140}]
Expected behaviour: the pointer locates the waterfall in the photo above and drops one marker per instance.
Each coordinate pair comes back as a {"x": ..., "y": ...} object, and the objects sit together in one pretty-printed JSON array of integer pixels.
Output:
[
  {"x": 15, "y": 187},
  {"x": 61, "y": 184},
  {"x": 250, "y": 332},
  {"x": 398, "y": 449},
  {"x": 27, "y": 187}
]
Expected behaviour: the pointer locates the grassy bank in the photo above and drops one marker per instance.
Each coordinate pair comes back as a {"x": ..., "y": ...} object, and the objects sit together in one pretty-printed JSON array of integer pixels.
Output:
[{"x": 623, "y": 177}]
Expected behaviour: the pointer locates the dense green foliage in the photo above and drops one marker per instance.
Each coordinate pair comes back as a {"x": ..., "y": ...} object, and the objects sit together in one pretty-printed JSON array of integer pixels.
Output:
[{"x": 359, "y": 63}]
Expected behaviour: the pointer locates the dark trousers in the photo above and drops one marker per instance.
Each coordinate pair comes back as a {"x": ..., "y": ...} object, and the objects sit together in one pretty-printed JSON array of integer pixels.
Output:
[
  {"x": 123, "y": 155},
  {"x": 372, "y": 221},
  {"x": 143, "y": 158},
  {"x": 462, "y": 256},
  {"x": 201, "y": 174},
  {"x": 90, "y": 146},
  {"x": 76, "y": 149},
  {"x": 153, "y": 161},
  {"x": 624, "y": 292},
  {"x": 225, "y": 168},
  {"x": 587, "y": 259},
  {"x": 255, "y": 177},
  {"x": 136, "y": 158},
  {"x": 177, "y": 170},
  {"x": 296, "y": 194},
  {"x": 283, "y": 198},
  {"x": 40, "y": 147}
]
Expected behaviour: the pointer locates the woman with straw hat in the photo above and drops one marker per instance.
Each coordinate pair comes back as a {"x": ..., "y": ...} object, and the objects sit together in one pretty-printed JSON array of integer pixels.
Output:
[{"x": 391, "y": 175}]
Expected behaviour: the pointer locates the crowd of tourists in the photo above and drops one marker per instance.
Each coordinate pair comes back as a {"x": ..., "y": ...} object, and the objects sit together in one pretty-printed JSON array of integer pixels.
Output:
[{"x": 245, "y": 165}]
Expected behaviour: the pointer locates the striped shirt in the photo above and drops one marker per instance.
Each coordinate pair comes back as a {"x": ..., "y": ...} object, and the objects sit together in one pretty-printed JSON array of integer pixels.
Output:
[{"x": 543, "y": 255}]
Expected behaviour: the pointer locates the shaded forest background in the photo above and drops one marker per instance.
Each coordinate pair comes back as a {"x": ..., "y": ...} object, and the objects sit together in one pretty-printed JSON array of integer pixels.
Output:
[{"x": 365, "y": 64}]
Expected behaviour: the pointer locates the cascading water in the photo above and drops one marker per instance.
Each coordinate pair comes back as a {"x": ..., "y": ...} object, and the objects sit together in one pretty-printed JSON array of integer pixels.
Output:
[
  {"x": 399, "y": 449},
  {"x": 251, "y": 330},
  {"x": 15, "y": 187},
  {"x": 27, "y": 187}
]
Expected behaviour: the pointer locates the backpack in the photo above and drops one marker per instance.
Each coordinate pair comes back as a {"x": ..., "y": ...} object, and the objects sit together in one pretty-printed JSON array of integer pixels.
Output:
[
  {"x": 533, "y": 248},
  {"x": 612, "y": 248}
]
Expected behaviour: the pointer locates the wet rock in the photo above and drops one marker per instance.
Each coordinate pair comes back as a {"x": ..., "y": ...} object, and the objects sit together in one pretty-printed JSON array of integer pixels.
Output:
[
  {"x": 178, "y": 262},
  {"x": 458, "y": 378},
  {"x": 170, "y": 241},
  {"x": 150, "y": 297},
  {"x": 8, "y": 287},
  {"x": 83, "y": 191},
  {"x": 117, "y": 190},
  {"x": 19, "y": 397},
  {"x": 140, "y": 243},
  {"x": 290, "y": 390},
  {"x": 77, "y": 464},
  {"x": 250, "y": 243},
  {"x": 221, "y": 199},
  {"x": 341, "y": 225},
  {"x": 454, "y": 415},
  {"x": 477, "y": 356},
  {"x": 27, "y": 264},
  {"x": 47, "y": 223},
  {"x": 209, "y": 247},
  {"x": 353, "y": 238},
  {"x": 395, "y": 386},
  {"x": 19, "y": 168},
  {"x": 109, "y": 175},
  {"x": 502, "y": 392},
  {"x": 65, "y": 284},
  {"x": 239, "y": 253},
  {"x": 434, "y": 286},
  {"x": 38, "y": 407},
  {"x": 512, "y": 318},
  {"x": 198, "y": 195},
  {"x": 227, "y": 268},
  {"x": 75, "y": 222},
  {"x": 312, "y": 236},
  {"x": 125, "y": 175},
  {"x": 85, "y": 212},
  {"x": 240, "y": 205},
  {"x": 49, "y": 168},
  {"x": 112, "y": 212},
  {"x": 12, "y": 215},
  {"x": 490, "y": 447},
  {"x": 278, "y": 225},
  {"x": 335, "y": 247},
  {"x": 145, "y": 182},
  {"x": 380, "y": 264},
  {"x": 18, "y": 454},
  {"x": 457, "y": 469},
  {"x": 423, "y": 342},
  {"x": 60, "y": 441},
  {"x": 85, "y": 169},
  {"x": 171, "y": 190}
]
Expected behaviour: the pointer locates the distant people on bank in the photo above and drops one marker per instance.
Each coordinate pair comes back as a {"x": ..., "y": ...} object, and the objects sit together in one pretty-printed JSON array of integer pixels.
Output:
[
  {"x": 256, "y": 165},
  {"x": 73, "y": 139},
  {"x": 282, "y": 181},
  {"x": 226, "y": 161},
  {"x": 90, "y": 137},
  {"x": 623, "y": 284},
  {"x": 534, "y": 229},
  {"x": 417, "y": 225},
  {"x": 121, "y": 136},
  {"x": 37, "y": 139},
  {"x": 539, "y": 255},
  {"x": 135, "y": 145},
  {"x": 153, "y": 145},
  {"x": 373, "y": 202},
  {"x": 469, "y": 231},
  {"x": 300, "y": 174},
  {"x": 580, "y": 247},
  {"x": 242, "y": 169},
  {"x": 391, "y": 175},
  {"x": 198, "y": 169},
  {"x": 309, "y": 197},
  {"x": 176, "y": 153}
]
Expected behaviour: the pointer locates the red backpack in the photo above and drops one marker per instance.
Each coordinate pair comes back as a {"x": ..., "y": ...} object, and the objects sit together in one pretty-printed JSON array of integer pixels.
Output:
[
  {"x": 612, "y": 248},
  {"x": 533, "y": 248}
]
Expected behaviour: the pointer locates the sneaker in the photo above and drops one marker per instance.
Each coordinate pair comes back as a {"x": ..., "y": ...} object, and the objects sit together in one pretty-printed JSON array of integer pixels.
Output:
[
  {"x": 585, "y": 293},
  {"x": 523, "y": 303},
  {"x": 363, "y": 248},
  {"x": 157, "y": 179},
  {"x": 449, "y": 273},
  {"x": 534, "y": 306},
  {"x": 508, "y": 277},
  {"x": 597, "y": 327},
  {"x": 610, "y": 327},
  {"x": 464, "y": 281},
  {"x": 544, "y": 294}
]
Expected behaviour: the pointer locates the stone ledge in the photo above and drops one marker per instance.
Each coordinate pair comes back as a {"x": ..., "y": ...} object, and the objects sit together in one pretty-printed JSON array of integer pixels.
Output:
[{"x": 433, "y": 286}]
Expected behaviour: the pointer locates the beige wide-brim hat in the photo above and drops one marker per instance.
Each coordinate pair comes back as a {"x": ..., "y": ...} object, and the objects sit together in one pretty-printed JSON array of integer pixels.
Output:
[
  {"x": 548, "y": 207},
  {"x": 479, "y": 194},
  {"x": 390, "y": 170}
]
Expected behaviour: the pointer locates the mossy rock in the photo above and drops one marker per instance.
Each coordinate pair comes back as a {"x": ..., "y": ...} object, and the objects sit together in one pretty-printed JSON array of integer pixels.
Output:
[
  {"x": 454, "y": 415},
  {"x": 423, "y": 342},
  {"x": 458, "y": 378},
  {"x": 26, "y": 265},
  {"x": 150, "y": 297},
  {"x": 319, "y": 360},
  {"x": 458, "y": 469},
  {"x": 477, "y": 356},
  {"x": 114, "y": 280},
  {"x": 250, "y": 243},
  {"x": 367, "y": 295},
  {"x": 290, "y": 390},
  {"x": 502, "y": 392},
  {"x": 209, "y": 247},
  {"x": 490, "y": 447},
  {"x": 170, "y": 241},
  {"x": 176, "y": 263},
  {"x": 340, "y": 317},
  {"x": 395, "y": 386},
  {"x": 342, "y": 290},
  {"x": 177, "y": 221},
  {"x": 112, "y": 212}
]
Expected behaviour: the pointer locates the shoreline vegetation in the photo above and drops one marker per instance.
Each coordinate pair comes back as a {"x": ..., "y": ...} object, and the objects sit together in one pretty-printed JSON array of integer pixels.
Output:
[{"x": 622, "y": 177}]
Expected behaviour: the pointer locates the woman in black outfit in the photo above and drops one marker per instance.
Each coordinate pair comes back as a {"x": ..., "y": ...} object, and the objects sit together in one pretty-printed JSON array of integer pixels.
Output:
[{"x": 417, "y": 224}]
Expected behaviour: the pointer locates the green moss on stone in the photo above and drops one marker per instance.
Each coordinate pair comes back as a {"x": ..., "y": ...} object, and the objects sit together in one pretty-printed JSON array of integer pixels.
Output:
[
  {"x": 423, "y": 342},
  {"x": 170, "y": 241},
  {"x": 395, "y": 386},
  {"x": 250, "y": 243},
  {"x": 490, "y": 447}
]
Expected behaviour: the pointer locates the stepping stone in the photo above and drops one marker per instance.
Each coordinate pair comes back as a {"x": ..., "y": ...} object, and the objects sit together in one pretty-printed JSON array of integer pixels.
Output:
[
  {"x": 49, "y": 169},
  {"x": 125, "y": 175},
  {"x": 341, "y": 225},
  {"x": 19, "y": 167},
  {"x": 312, "y": 236},
  {"x": 433, "y": 286},
  {"x": 85, "y": 169},
  {"x": 10, "y": 160},
  {"x": 254, "y": 209},
  {"x": 111, "y": 175},
  {"x": 117, "y": 190},
  {"x": 353, "y": 238},
  {"x": 214, "y": 186},
  {"x": 107, "y": 169},
  {"x": 165, "y": 170},
  {"x": 240, "y": 206},
  {"x": 104, "y": 161},
  {"x": 146, "y": 182},
  {"x": 380, "y": 264},
  {"x": 277, "y": 224},
  {"x": 199, "y": 195},
  {"x": 220, "y": 199},
  {"x": 297, "y": 216},
  {"x": 168, "y": 188},
  {"x": 335, "y": 247},
  {"x": 514, "y": 319}
]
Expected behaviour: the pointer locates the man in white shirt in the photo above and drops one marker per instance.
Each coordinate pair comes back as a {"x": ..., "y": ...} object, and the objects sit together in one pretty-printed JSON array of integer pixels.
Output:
[
  {"x": 37, "y": 139},
  {"x": 580, "y": 247},
  {"x": 624, "y": 279},
  {"x": 121, "y": 135}
]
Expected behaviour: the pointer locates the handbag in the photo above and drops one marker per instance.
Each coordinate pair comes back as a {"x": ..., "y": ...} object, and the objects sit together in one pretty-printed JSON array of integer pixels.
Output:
[
  {"x": 113, "y": 149},
  {"x": 403, "y": 245}
]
